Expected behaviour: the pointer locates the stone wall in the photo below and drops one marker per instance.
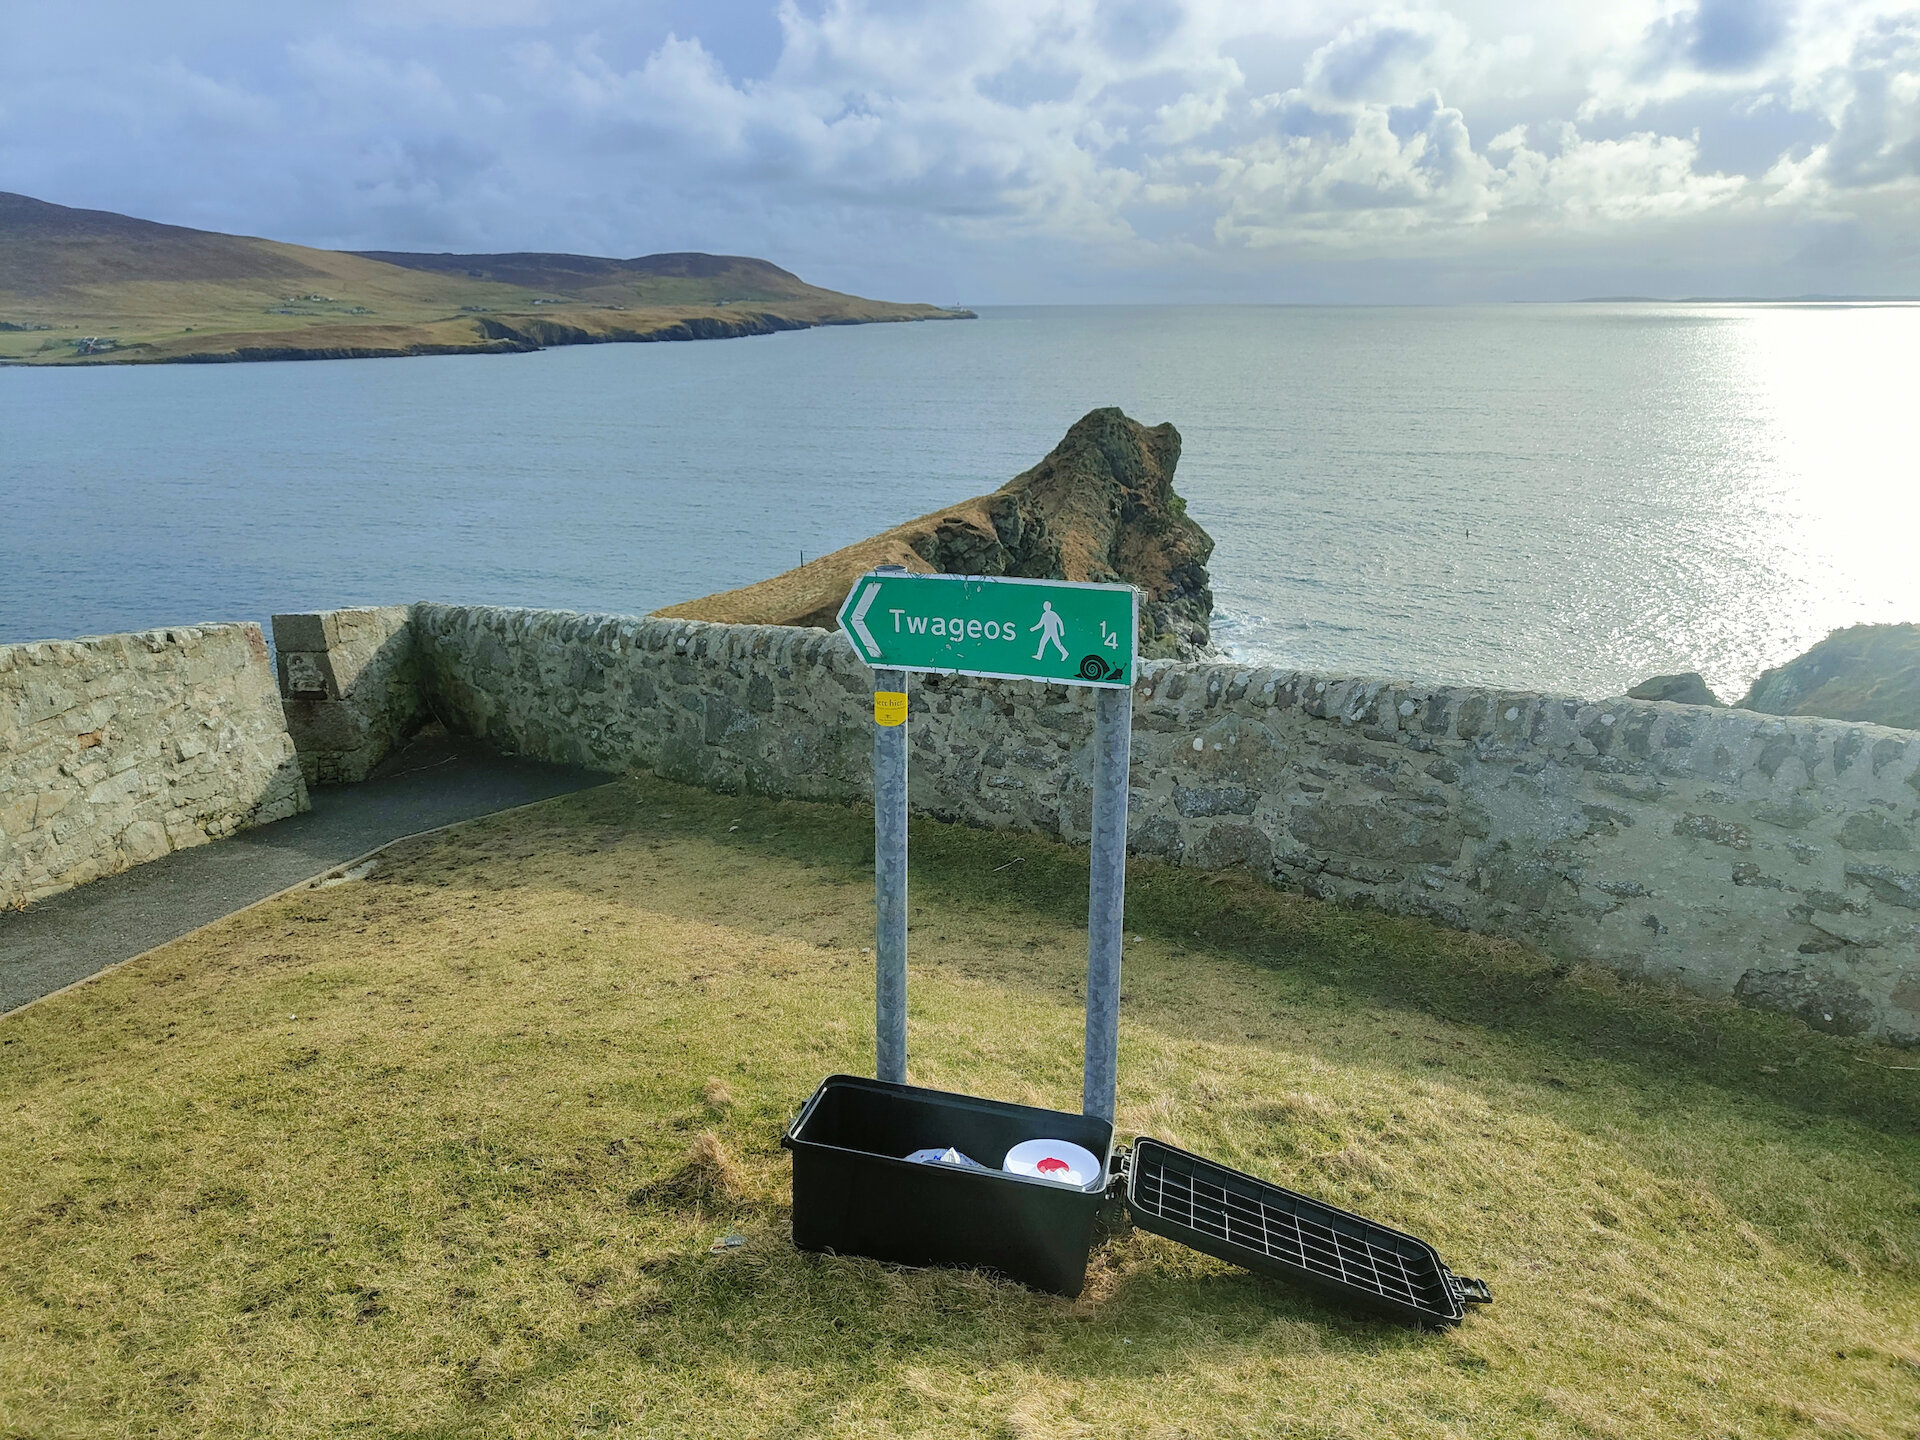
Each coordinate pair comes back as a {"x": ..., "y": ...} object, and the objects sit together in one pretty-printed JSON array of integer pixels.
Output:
[
  {"x": 1777, "y": 860},
  {"x": 116, "y": 749},
  {"x": 348, "y": 684}
]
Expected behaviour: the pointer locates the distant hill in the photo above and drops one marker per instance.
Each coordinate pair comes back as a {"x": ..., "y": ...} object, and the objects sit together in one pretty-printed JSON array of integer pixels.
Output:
[
  {"x": 690, "y": 278},
  {"x": 91, "y": 286},
  {"x": 1749, "y": 300}
]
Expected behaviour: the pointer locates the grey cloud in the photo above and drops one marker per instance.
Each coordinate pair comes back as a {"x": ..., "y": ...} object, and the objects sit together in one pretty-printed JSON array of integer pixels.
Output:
[
  {"x": 1719, "y": 36},
  {"x": 1879, "y": 134},
  {"x": 1365, "y": 60},
  {"x": 1133, "y": 29},
  {"x": 1407, "y": 121},
  {"x": 1742, "y": 132},
  {"x": 1296, "y": 115},
  {"x": 1024, "y": 83}
]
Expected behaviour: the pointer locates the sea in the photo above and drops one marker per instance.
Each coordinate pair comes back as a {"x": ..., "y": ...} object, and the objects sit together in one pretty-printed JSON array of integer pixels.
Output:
[{"x": 1566, "y": 498}]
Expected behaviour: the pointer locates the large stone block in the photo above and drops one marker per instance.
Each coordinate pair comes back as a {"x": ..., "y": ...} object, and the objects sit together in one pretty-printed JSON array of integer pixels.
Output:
[
  {"x": 120, "y": 748},
  {"x": 311, "y": 632},
  {"x": 1824, "y": 1001},
  {"x": 1377, "y": 832}
]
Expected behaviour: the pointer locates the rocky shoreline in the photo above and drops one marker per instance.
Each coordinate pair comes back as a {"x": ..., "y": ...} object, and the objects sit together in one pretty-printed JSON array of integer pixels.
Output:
[{"x": 518, "y": 335}]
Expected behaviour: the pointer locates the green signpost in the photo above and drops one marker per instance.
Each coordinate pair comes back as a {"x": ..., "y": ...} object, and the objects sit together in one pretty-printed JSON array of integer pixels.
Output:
[
  {"x": 1001, "y": 629},
  {"x": 996, "y": 627}
]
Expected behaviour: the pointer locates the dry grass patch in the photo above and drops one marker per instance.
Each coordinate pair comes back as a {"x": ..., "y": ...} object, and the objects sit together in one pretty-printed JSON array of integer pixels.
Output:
[{"x": 444, "y": 1152}]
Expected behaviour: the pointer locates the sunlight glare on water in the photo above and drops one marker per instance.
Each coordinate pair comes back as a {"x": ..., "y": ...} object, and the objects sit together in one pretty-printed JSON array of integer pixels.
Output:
[
  {"x": 1835, "y": 395},
  {"x": 1643, "y": 489}
]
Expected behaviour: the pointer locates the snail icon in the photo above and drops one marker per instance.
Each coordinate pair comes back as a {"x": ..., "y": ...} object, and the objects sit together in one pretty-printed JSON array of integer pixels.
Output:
[{"x": 1092, "y": 667}]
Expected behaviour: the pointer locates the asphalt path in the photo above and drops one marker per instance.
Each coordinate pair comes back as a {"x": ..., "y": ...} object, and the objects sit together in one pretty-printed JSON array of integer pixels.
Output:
[{"x": 436, "y": 781}]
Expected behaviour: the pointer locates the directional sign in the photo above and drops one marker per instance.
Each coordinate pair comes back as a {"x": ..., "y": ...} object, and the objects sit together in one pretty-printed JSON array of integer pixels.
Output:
[{"x": 997, "y": 627}]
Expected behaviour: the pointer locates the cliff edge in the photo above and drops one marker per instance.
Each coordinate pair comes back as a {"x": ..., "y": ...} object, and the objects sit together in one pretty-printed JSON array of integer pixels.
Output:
[
  {"x": 1100, "y": 507},
  {"x": 1864, "y": 672}
]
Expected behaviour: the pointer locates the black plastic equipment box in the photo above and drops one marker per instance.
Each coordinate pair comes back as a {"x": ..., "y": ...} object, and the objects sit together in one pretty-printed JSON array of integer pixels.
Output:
[{"x": 854, "y": 1195}]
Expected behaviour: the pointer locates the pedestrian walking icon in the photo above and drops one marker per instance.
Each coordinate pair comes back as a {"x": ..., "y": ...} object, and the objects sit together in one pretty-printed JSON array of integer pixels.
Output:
[{"x": 1051, "y": 628}]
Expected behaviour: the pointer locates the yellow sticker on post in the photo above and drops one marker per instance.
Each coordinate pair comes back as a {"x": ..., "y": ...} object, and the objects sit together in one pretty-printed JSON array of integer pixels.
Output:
[{"x": 889, "y": 707}]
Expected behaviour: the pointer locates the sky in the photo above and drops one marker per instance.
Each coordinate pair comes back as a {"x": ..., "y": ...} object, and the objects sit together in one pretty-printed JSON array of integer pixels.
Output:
[{"x": 1015, "y": 151}]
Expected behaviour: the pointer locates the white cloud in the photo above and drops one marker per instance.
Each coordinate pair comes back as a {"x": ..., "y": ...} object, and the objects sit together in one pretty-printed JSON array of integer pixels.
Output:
[
  {"x": 1009, "y": 146},
  {"x": 1642, "y": 176},
  {"x": 1197, "y": 111}
]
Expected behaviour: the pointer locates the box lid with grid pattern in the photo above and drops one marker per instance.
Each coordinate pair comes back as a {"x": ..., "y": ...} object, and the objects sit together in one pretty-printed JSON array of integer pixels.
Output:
[{"x": 1279, "y": 1232}]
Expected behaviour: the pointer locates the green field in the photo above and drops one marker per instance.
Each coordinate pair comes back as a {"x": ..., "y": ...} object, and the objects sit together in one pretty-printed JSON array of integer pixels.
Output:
[{"x": 443, "y": 1151}]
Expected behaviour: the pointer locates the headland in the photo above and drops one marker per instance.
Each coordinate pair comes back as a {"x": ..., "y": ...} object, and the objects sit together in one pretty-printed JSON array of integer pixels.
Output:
[{"x": 81, "y": 287}]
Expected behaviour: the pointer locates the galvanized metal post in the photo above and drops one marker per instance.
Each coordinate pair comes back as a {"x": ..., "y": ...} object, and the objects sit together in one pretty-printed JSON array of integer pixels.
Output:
[
  {"x": 890, "y": 882},
  {"x": 1107, "y": 897}
]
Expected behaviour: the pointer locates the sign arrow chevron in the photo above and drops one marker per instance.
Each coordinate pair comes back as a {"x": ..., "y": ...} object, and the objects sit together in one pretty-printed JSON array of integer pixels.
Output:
[{"x": 857, "y": 621}]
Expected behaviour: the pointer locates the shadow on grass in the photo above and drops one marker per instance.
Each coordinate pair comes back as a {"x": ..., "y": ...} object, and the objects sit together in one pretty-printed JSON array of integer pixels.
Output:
[
  {"x": 1564, "y": 1013},
  {"x": 769, "y": 1310}
]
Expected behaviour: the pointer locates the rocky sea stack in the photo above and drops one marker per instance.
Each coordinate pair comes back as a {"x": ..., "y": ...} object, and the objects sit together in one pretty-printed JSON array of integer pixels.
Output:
[
  {"x": 1689, "y": 687},
  {"x": 1100, "y": 507}
]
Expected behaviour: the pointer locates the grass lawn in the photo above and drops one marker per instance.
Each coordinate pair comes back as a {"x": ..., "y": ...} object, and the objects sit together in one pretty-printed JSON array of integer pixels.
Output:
[{"x": 442, "y": 1151}]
